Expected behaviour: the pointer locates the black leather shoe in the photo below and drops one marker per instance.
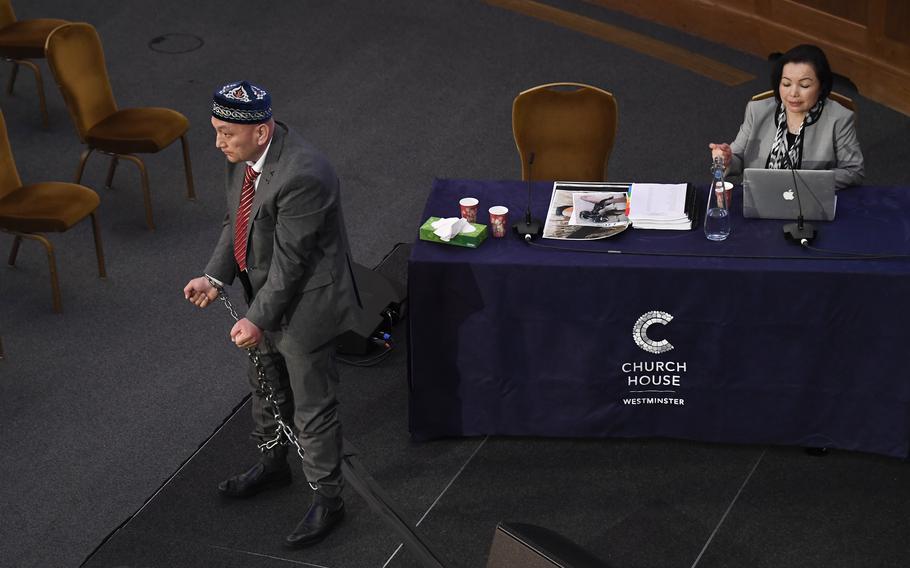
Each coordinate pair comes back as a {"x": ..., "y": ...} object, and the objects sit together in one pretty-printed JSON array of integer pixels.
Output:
[
  {"x": 318, "y": 522},
  {"x": 254, "y": 480}
]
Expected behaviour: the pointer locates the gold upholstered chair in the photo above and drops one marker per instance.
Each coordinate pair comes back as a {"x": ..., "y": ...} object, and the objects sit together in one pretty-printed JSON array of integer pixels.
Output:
[
  {"x": 30, "y": 210},
  {"x": 844, "y": 100},
  {"x": 76, "y": 57},
  {"x": 21, "y": 41},
  {"x": 570, "y": 128}
]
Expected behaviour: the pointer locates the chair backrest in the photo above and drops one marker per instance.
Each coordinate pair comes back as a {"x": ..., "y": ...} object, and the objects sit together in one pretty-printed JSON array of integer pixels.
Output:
[
  {"x": 76, "y": 58},
  {"x": 7, "y": 16},
  {"x": 844, "y": 100},
  {"x": 570, "y": 128},
  {"x": 9, "y": 175}
]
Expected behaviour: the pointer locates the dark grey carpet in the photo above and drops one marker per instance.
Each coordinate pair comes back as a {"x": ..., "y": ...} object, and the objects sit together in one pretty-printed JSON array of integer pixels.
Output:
[{"x": 100, "y": 405}]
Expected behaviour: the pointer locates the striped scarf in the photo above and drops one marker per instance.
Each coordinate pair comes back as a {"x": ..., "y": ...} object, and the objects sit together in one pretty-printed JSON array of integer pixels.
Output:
[{"x": 777, "y": 159}]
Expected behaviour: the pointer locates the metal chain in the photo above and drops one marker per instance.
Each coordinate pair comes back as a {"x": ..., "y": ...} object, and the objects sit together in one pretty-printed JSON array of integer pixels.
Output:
[{"x": 284, "y": 435}]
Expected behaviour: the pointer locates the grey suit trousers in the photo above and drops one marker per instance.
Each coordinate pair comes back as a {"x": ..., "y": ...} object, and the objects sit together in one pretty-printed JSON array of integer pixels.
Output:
[{"x": 314, "y": 417}]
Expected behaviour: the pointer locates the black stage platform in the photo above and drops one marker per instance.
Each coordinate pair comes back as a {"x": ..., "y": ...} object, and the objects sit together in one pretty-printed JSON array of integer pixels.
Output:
[{"x": 634, "y": 503}]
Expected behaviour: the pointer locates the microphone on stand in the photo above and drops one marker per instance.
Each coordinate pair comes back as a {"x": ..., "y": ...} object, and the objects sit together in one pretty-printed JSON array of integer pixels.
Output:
[
  {"x": 528, "y": 228},
  {"x": 799, "y": 232}
]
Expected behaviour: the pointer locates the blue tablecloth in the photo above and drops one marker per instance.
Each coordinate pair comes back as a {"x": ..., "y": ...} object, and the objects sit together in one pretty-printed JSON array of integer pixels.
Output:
[{"x": 514, "y": 339}]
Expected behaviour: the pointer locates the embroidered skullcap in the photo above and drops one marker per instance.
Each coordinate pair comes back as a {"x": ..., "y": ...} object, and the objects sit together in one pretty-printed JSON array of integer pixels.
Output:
[{"x": 242, "y": 103}]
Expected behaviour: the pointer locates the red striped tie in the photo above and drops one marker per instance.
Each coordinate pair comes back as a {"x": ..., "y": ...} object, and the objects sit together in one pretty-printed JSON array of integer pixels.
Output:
[{"x": 243, "y": 215}]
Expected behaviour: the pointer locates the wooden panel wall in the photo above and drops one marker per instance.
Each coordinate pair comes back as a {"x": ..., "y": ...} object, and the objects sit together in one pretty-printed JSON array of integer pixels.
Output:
[{"x": 867, "y": 42}]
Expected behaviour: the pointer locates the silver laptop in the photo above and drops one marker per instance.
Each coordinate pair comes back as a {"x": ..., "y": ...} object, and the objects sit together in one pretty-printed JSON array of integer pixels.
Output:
[{"x": 770, "y": 194}]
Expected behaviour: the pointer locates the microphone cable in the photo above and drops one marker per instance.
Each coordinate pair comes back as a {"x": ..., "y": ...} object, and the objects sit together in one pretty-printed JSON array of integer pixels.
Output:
[{"x": 855, "y": 255}]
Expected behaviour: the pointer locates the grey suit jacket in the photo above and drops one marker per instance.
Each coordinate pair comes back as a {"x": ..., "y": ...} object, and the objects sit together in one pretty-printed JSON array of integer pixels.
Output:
[
  {"x": 298, "y": 259},
  {"x": 829, "y": 144}
]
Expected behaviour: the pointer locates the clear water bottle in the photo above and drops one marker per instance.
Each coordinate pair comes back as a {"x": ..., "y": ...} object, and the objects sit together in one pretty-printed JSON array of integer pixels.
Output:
[{"x": 717, "y": 216}]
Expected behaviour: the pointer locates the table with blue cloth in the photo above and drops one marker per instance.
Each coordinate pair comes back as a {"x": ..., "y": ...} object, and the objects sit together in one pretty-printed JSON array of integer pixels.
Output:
[{"x": 664, "y": 333}]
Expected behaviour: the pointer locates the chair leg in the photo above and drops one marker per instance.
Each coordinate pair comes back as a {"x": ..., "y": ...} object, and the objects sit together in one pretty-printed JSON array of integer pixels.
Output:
[
  {"x": 52, "y": 265},
  {"x": 82, "y": 160},
  {"x": 145, "y": 188},
  {"x": 190, "y": 190},
  {"x": 15, "y": 250},
  {"x": 99, "y": 250},
  {"x": 12, "y": 76},
  {"x": 39, "y": 82},
  {"x": 110, "y": 172}
]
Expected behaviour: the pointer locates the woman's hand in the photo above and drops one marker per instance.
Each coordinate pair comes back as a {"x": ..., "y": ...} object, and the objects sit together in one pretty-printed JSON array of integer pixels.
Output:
[{"x": 721, "y": 151}]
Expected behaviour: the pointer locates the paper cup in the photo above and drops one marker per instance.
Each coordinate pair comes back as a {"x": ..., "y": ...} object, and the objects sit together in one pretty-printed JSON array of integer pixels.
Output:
[
  {"x": 499, "y": 221},
  {"x": 468, "y": 207},
  {"x": 724, "y": 199}
]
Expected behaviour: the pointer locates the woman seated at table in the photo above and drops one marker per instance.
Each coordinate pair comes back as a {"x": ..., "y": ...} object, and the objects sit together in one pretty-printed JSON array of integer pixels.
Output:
[{"x": 799, "y": 126}]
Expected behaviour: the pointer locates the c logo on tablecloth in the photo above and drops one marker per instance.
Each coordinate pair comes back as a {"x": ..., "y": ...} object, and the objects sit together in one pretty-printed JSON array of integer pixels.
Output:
[{"x": 640, "y": 332}]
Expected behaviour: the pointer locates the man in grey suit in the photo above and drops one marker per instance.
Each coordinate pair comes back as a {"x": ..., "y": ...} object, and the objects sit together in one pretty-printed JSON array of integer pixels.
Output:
[{"x": 284, "y": 239}]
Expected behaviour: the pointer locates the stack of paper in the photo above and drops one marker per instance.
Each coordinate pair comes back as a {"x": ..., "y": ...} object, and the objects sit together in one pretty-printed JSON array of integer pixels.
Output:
[{"x": 662, "y": 206}]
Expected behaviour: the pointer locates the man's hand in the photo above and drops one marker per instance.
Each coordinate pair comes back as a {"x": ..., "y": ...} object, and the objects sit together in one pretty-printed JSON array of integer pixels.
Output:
[
  {"x": 246, "y": 334},
  {"x": 200, "y": 292}
]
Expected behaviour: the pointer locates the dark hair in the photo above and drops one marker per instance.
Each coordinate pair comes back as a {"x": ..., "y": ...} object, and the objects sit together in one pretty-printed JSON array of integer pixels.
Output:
[{"x": 805, "y": 53}]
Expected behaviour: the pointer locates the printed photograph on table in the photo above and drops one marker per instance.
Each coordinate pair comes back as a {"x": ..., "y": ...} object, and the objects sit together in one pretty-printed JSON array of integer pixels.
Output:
[{"x": 586, "y": 211}]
